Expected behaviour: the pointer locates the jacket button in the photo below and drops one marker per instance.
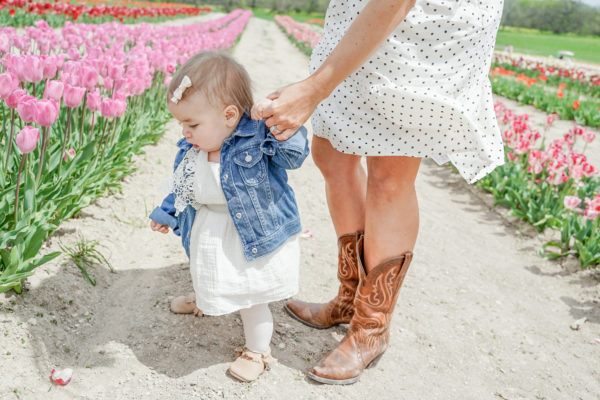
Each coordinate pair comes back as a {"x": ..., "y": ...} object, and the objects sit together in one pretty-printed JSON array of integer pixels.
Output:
[
  {"x": 254, "y": 250},
  {"x": 225, "y": 176},
  {"x": 238, "y": 215},
  {"x": 248, "y": 158}
]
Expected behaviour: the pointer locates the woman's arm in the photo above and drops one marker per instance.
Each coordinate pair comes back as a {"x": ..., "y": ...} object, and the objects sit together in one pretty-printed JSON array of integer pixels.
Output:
[{"x": 295, "y": 103}]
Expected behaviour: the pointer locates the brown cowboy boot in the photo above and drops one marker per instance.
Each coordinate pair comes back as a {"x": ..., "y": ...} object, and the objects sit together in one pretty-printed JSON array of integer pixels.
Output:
[
  {"x": 341, "y": 308},
  {"x": 368, "y": 335}
]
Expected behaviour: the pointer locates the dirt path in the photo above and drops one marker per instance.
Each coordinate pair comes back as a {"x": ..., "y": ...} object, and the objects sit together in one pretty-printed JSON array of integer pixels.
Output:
[{"x": 480, "y": 315}]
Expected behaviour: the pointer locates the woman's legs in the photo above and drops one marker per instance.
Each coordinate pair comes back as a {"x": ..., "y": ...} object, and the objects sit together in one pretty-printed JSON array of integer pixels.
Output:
[
  {"x": 392, "y": 210},
  {"x": 258, "y": 327},
  {"x": 345, "y": 186}
]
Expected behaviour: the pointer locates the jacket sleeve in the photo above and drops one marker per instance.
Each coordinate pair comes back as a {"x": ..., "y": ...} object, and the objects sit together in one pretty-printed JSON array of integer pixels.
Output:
[
  {"x": 165, "y": 213},
  {"x": 289, "y": 154}
]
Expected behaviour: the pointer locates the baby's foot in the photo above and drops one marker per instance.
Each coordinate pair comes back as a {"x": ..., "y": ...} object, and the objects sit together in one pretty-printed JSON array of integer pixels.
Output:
[
  {"x": 185, "y": 305},
  {"x": 249, "y": 365}
]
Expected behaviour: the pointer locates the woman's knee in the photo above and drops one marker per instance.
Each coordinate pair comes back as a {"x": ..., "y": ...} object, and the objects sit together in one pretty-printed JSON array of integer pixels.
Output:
[
  {"x": 392, "y": 175},
  {"x": 330, "y": 161}
]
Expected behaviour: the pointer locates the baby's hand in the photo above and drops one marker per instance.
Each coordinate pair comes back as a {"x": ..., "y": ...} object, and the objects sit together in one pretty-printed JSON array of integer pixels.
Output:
[
  {"x": 257, "y": 109},
  {"x": 155, "y": 226}
]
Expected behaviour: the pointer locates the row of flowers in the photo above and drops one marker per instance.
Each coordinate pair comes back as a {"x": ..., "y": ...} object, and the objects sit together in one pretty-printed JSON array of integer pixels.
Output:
[
  {"x": 304, "y": 37},
  {"x": 567, "y": 105},
  {"x": 550, "y": 185},
  {"x": 552, "y": 72},
  {"x": 77, "y": 104},
  {"x": 23, "y": 12}
]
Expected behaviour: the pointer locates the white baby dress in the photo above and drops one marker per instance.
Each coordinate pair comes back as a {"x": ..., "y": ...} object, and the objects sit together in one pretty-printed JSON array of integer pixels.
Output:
[
  {"x": 424, "y": 93},
  {"x": 224, "y": 281}
]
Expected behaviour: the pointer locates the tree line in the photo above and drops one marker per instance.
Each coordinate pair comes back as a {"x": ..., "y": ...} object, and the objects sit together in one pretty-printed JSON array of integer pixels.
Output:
[{"x": 558, "y": 16}]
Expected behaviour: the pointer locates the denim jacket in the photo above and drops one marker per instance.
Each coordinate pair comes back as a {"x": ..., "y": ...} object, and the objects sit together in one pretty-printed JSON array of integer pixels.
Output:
[{"x": 261, "y": 203}]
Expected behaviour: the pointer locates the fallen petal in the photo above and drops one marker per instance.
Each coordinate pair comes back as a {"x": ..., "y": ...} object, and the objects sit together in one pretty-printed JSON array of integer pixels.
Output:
[
  {"x": 306, "y": 234},
  {"x": 61, "y": 377}
]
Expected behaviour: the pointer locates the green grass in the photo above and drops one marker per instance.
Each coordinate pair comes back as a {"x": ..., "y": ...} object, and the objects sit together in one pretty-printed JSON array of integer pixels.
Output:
[
  {"x": 266, "y": 13},
  {"x": 531, "y": 41}
]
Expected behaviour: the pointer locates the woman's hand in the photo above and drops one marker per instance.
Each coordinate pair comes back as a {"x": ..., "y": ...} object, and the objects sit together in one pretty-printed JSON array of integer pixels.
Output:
[{"x": 291, "y": 106}]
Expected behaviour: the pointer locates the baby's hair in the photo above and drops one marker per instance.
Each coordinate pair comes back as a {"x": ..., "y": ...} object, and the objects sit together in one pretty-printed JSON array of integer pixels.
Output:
[{"x": 219, "y": 77}]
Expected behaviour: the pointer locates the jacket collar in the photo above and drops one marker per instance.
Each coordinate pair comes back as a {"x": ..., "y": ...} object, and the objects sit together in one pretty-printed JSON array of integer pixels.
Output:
[{"x": 246, "y": 127}]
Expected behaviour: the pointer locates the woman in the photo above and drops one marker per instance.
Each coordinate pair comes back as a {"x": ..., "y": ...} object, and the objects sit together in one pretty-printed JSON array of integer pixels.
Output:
[{"x": 395, "y": 81}]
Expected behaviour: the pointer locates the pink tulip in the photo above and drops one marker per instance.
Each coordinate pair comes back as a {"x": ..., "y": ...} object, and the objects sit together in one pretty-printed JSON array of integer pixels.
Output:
[
  {"x": 69, "y": 155},
  {"x": 571, "y": 202},
  {"x": 8, "y": 83},
  {"x": 47, "y": 112},
  {"x": 88, "y": 77},
  {"x": 27, "y": 108},
  {"x": 93, "y": 100},
  {"x": 34, "y": 69},
  {"x": 550, "y": 119},
  {"x": 167, "y": 81},
  {"x": 108, "y": 83},
  {"x": 50, "y": 67},
  {"x": 14, "y": 98},
  {"x": 589, "y": 137},
  {"x": 593, "y": 208},
  {"x": 121, "y": 107},
  {"x": 73, "y": 95},
  {"x": 54, "y": 90},
  {"x": 109, "y": 108},
  {"x": 27, "y": 139}
]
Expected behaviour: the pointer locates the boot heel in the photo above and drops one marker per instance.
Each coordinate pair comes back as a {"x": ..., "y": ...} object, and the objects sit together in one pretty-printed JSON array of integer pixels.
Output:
[{"x": 375, "y": 361}]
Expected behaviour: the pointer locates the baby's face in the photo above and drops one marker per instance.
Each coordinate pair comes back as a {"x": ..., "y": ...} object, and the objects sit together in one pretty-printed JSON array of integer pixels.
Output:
[{"x": 204, "y": 124}]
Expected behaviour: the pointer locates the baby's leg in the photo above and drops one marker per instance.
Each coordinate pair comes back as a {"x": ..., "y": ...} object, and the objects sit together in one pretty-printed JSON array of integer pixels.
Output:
[
  {"x": 258, "y": 327},
  {"x": 255, "y": 357}
]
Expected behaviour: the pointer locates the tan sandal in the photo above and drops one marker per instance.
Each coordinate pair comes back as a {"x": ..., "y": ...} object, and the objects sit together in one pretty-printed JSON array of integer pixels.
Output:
[
  {"x": 186, "y": 305},
  {"x": 249, "y": 365}
]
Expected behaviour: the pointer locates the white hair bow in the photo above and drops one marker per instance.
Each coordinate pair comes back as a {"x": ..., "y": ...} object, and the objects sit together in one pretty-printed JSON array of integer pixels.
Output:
[{"x": 184, "y": 84}]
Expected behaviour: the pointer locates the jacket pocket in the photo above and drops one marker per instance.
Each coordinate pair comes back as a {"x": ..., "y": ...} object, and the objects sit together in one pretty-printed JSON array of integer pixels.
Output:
[{"x": 251, "y": 165}]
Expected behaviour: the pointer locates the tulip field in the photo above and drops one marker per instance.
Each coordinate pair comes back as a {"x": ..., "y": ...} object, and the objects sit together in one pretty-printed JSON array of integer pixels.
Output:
[
  {"x": 76, "y": 106},
  {"x": 80, "y": 101},
  {"x": 18, "y": 13}
]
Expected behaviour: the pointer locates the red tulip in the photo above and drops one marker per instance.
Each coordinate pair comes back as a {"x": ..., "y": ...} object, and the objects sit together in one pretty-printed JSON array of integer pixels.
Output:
[
  {"x": 73, "y": 95},
  {"x": 27, "y": 139},
  {"x": 576, "y": 105},
  {"x": 54, "y": 90}
]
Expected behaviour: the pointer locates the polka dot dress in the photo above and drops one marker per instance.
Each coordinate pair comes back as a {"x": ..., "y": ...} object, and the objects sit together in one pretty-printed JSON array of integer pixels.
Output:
[{"x": 424, "y": 93}]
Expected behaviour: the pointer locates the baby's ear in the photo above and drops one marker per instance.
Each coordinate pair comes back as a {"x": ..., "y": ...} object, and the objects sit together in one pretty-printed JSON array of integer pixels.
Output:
[{"x": 232, "y": 115}]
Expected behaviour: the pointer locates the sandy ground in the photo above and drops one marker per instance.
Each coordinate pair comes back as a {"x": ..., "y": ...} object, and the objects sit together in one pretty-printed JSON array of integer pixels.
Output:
[{"x": 480, "y": 315}]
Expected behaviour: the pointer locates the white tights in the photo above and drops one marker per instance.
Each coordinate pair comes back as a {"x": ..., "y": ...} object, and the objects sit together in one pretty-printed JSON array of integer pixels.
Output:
[{"x": 258, "y": 327}]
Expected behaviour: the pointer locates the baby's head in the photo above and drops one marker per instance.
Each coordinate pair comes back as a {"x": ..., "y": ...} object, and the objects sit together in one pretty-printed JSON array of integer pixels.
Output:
[{"x": 208, "y": 95}]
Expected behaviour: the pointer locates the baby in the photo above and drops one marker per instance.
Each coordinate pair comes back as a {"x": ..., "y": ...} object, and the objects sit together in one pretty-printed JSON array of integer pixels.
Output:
[{"x": 231, "y": 204}]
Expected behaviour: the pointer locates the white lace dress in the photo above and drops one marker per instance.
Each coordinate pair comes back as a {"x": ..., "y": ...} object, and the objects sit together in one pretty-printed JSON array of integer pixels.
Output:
[
  {"x": 424, "y": 93},
  {"x": 224, "y": 281}
]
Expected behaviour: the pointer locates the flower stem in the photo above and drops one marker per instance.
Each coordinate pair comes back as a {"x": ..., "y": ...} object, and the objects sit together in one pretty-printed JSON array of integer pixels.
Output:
[
  {"x": 12, "y": 133},
  {"x": 23, "y": 158},
  {"x": 92, "y": 127},
  {"x": 66, "y": 139},
  {"x": 42, "y": 152},
  {"x": 81, "y": 117}
]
